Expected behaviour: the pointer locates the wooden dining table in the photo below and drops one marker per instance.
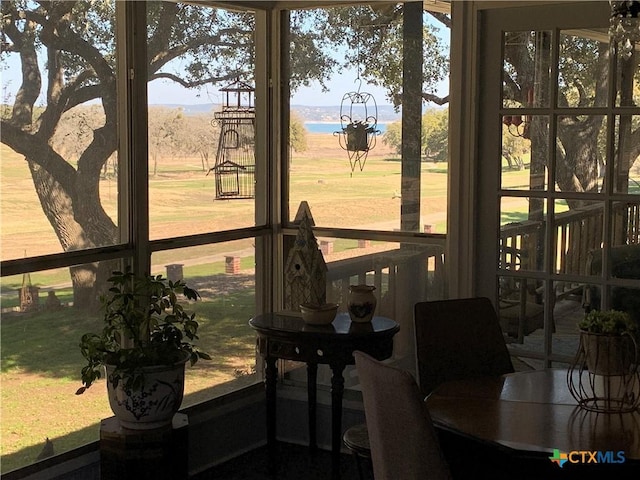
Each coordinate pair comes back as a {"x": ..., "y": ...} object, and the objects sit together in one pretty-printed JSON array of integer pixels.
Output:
[{"x": 533, "y": 414}]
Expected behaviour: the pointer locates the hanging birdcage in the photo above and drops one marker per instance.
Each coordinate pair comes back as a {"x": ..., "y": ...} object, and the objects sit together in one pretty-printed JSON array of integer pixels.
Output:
[
  {"x": 359, "y": 126},
  {"x": 235, "y": 165}
]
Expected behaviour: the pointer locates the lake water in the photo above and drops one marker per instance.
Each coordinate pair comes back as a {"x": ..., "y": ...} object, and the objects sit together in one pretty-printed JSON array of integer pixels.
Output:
[{"x": 312, "y": 127}]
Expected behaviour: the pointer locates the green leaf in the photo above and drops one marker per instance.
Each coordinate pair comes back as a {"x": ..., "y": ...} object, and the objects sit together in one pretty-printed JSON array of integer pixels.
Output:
[{"x": 146, "y": 311}]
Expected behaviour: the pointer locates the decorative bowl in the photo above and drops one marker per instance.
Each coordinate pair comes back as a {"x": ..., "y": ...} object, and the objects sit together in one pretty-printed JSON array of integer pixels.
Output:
[{"x": 313, "y": 314}]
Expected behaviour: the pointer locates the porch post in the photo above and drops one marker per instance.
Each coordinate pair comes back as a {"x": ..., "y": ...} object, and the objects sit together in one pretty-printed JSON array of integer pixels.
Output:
[{"x": 411, "y": 116}]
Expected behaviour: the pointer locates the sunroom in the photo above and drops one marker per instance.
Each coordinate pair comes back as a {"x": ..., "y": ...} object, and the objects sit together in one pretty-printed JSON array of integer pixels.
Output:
[{"x": 499, "y": 161}]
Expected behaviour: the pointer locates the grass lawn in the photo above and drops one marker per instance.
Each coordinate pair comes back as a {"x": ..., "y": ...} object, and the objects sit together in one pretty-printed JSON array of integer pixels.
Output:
[{"x": 41, "y": 361}]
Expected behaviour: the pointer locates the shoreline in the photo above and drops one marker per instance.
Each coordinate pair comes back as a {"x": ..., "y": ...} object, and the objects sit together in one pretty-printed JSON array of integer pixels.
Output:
[{"x": 327, "y": 122}]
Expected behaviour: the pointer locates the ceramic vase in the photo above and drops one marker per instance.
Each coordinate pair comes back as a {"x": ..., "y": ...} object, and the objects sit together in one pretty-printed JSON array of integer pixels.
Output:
[{"x": 361, "y": 303}]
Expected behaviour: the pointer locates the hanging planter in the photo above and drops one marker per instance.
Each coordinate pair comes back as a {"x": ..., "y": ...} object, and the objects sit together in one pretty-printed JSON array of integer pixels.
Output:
[
  {"x": 359, "y": 126},
  {"x": 357, "y": 137}
]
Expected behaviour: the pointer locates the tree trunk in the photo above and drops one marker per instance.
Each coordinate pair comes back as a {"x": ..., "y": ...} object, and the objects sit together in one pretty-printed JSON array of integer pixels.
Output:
[
  {"x": 70, "y": 200},
  {"x": 77, "y": 228},
  {"x": 577, "y": 166}
]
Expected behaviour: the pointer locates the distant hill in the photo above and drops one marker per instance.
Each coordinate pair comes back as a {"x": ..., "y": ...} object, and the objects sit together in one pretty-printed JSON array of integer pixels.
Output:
[
  {"x": 327, "y": 113},
  {"x": 331, "y": 113},
  {"x": 197, "y": 109}
]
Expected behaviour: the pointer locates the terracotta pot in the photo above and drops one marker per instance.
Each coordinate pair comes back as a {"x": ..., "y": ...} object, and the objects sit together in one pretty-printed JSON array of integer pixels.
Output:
[
  {"x": 362, "y": 303},
  {"x": 155, "y": 404}
]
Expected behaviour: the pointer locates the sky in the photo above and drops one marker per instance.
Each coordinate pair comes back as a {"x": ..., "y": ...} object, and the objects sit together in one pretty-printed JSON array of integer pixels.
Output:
[
  {"x": 309, "y": 96},
  {"x": 166, "y": 92},
  {"x": 338, "y": 86}
]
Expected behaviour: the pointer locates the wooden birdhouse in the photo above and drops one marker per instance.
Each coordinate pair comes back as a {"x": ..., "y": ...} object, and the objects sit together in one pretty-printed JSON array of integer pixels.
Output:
[{"x": 305, "y": 271}]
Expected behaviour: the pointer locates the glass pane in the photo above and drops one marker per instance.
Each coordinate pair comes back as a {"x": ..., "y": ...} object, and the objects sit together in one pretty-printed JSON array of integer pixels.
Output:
[
  {"x": 522, "y": 321},
  {"x": 202, "y": 162},
  {"x": 224, "y": 276},
  {"x": 583, "y": 65},
  {"x": 525, "y": 152},
  {"x": 625, "y": 223},
  {"x": 592, "y": 295},
  {"x": 41, "y": 370},
  {"x": 522, "y": 228},
  {"x": 403, "y": 275},
  {"x": 17, "y": 196},
  {"x": 526, "y": 69},
  {"x": 47, "y": 362},
  {"x": 628, "y": 79},
  {"x": 579, "y": 235},
  {"x": 581, "y": 153},
  {"x": 59, "y": 163},
  {"x": 626, "y": 299},
  {"x": 626, "y": 162},
  {"x": 347, "y": 152},
  {"x": 520, "y": 307}
]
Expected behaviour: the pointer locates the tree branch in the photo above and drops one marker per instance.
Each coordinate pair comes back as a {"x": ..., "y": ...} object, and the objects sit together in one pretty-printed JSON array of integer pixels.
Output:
[
  {"x": 162, "y": 57},
  {"x": 197, "y": 83},
  {"x": 83, "y": 95},
  {"x": 72, "y": 95},
  {"x": 58, "y": 35},
  {"x": 24, "y": 44},
  {"x": 442, "y": 18},
  {"x": 430, "y": 97},
  {"x": 38, "y": 151},
  {"x": 159, "y": 50}
]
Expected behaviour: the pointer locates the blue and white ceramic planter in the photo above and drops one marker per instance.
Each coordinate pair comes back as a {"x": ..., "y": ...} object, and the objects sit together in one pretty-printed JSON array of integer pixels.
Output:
[{"x": 155, "y": 404}]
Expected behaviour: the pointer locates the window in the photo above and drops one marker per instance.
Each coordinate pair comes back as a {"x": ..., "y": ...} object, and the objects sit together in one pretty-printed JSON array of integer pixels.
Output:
[
  {"x": 171, "y": 167},
  {"x": 377, "y": 194},
  {"x": 224, "y": 276},
  {"x": 347, "y": 151},
  {"x": 562, "y": 167},
  {"x": 75, "y": 200},
  {"x": 202, "y": 121},
  {"x": 203, "y": 170},
  {"x": 59, "y": 147}
]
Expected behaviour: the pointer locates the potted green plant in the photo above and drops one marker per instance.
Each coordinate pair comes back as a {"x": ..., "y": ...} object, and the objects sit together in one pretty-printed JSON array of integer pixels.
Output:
[
  {"x": 145, "y": 342},
  {"x": 608, "y": 338}
]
